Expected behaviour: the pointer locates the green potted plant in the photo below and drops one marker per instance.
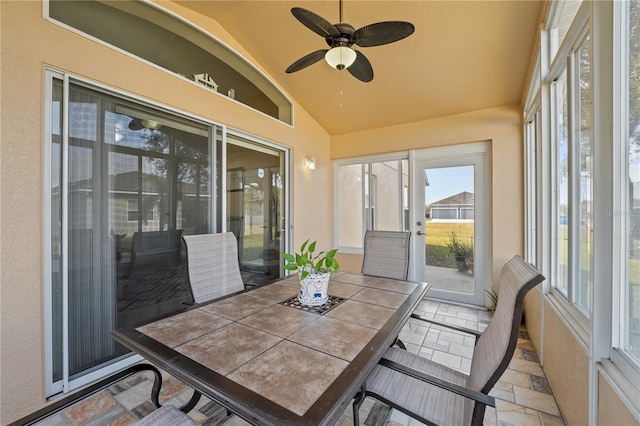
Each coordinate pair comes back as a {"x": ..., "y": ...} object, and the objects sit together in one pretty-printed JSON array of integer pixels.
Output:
[
  {"x": 461, "y": 250},
  {"x": 314, "y": 271},
  {"x": 493, "y": 298}
]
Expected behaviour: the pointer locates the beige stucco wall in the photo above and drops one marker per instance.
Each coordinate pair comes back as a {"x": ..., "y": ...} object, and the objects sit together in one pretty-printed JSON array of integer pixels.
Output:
[
  {"x": 501, "y": 126},
  {"x": 29, "y": 45},
  {"x": 611, "y": 411},
  {"x": 533, "y": 316},
  {"x": 566, "y": 366}
]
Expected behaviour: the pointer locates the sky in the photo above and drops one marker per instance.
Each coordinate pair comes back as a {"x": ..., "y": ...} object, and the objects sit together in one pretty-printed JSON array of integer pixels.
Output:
[{"x": 447, "y": 181}]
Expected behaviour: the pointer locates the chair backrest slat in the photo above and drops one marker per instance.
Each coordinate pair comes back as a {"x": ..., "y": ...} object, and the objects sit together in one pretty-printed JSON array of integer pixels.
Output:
[
  {"x": 386, "y": 254},
  {"x": 212, "y": 262}
]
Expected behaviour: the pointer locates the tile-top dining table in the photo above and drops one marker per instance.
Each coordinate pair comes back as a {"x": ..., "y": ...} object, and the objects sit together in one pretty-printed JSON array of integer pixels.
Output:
[{"x": 272, "y": 361}]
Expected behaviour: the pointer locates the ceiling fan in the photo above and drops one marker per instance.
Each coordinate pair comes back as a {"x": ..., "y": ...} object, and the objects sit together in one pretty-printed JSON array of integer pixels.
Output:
[{"x": 341, "y": 36}]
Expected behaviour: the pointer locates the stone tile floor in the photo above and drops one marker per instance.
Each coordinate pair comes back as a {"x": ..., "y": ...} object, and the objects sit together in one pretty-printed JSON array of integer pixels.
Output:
[{"x": 523, "y": 395}]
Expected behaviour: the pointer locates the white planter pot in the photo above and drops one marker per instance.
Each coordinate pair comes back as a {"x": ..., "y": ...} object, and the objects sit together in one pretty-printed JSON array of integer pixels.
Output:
[{"x": 314, "y": 289}]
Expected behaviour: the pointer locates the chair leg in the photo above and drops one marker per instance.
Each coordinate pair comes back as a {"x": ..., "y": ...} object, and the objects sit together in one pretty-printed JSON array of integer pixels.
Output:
[
  {"x": 192, "y": 402},
  {"x": 357, "y": 402},
  {"x": 157, "y": 383},
  {"x": 399, "y": 343},
  {"x": 478, "y": 414}
]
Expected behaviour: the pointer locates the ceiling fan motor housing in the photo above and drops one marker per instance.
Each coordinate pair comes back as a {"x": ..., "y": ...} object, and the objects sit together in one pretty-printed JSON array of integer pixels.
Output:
[{"x": 345, "y": 38}]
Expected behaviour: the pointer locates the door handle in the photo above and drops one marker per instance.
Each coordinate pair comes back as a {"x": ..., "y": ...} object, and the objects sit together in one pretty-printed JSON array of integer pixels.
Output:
[{"x": 421, "y": 233}]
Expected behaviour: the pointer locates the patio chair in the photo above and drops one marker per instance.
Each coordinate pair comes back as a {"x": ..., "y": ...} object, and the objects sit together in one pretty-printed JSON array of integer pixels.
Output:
[
  {"x": 438, "y": 395},
  {"x": 212, "y": 263},
  {"x": 386, "y": 254},
  {"x": 167, "y": 415},
  {"x": 44, "y": 415}
]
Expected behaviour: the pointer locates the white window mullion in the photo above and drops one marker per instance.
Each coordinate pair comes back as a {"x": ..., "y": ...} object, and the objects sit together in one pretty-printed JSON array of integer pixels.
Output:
[{"x": 64, "y": 254}]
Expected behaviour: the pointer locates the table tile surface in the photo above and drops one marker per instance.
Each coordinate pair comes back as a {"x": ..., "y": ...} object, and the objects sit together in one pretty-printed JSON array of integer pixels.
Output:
[
  {"x": 275, "y": 292},
  {"x": 335, "y": 337},
  {"x": 377, "y": 297},
  {"x": 257, "y": 343},
  {"x": 183, "y": 327},
  {"x": 340, "y": 289},
  {"x": 357, "y": 279},
  {"x": 238, "y": 307},
  {"x": 362, "y": 314},
  {"x": 268, "y": 375},
  {"x": 393, "y": 285},
  {"x": 279, "y": 320},
  {"x": 229, "y": 347}
]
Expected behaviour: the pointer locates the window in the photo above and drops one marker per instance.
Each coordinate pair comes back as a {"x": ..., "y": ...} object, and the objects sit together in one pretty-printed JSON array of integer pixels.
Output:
[
  {"x": 132, "y": 212},
  {"x": 532, "y": 146},
  {"x": 630, "y": 291},
  {"x": 370, "y": 195},
  {"x": 562, "y": 183},
  {"x": 571, "y": 115},
  {"x": 583, "y": 178},
  {"x": 175, "y": 45},
  {"x": 563, "y": 17}
]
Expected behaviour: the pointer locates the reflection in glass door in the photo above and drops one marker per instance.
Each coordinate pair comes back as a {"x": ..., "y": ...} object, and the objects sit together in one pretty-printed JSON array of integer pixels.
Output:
[
  {"x": 449, "y": 227},
  {"x": 255, "y": 205}
]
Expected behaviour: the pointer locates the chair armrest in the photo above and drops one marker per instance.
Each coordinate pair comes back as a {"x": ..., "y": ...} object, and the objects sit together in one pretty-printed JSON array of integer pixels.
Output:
[
  {"x": 452, "y": 387},
  {"x": 452, "y": 327}
]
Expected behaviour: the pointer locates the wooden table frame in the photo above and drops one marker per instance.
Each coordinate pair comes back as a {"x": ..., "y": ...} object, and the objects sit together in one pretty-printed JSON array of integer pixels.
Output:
[{"x": 257, "y": 409}]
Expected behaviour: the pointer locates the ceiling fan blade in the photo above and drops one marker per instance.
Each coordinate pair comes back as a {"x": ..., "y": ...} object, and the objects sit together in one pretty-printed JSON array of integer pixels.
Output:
[
  {"x": 307, "y": 60},
  {"x": 361, "y": 68},
  {"x": 136, "y": 124},
  {"x": 382, "y": 33},
  {"x": 315, "y": 23}
]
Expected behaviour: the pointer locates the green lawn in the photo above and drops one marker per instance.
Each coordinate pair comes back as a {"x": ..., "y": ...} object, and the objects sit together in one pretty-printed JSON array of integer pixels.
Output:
[{"x": 438, "y": 235}]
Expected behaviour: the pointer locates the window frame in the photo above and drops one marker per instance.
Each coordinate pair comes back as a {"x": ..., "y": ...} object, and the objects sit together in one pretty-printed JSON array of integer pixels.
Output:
[
  {"x": 577, "y": 319},
  {"x": 621, "y": 365},
  {"x": 365, "y": 162}
]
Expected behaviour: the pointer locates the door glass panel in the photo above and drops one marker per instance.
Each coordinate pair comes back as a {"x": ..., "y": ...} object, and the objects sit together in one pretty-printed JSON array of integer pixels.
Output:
[
  {"x": 255, "y": 206},
  {"x": 449, "y": 227},
  {"x": 56, "y": 232},
  {"x": 137, "y": 180}
]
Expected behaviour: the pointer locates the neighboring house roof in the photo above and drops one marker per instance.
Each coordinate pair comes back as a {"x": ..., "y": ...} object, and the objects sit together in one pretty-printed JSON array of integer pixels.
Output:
[{"x": 461, "y": 198}]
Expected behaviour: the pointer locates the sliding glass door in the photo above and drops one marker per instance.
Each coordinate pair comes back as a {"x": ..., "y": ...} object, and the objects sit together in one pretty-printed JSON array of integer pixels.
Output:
[
  {"x": 256, "y": 177},
  {"x": 126, "y": 181}
]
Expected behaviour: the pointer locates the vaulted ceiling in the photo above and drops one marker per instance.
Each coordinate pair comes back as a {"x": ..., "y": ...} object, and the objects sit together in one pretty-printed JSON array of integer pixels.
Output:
[{"x": 463, "y": 56}]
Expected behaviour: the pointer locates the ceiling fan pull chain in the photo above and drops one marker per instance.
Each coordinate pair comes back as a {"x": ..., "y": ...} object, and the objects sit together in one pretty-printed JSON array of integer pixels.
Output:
[{"x": 341, "y": 88}]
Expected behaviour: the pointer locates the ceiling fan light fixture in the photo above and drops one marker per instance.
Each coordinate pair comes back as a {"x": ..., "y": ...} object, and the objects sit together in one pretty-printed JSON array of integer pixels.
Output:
[
  {"x": 340, "y": 57},
  {"x": 151, "y": 124}
]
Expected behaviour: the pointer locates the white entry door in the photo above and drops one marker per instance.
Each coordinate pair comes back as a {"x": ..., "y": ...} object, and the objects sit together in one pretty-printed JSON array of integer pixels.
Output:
[{"x": 450, "y": 211}]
